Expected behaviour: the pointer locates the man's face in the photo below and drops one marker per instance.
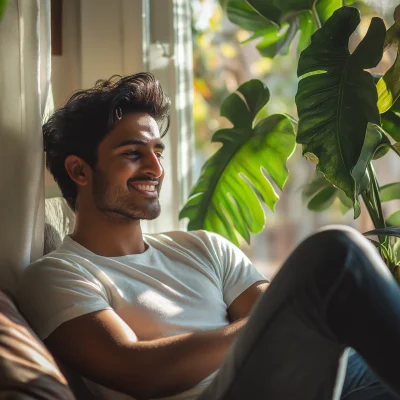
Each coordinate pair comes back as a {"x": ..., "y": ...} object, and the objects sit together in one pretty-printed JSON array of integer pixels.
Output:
[{"x": 128, "y": 176}]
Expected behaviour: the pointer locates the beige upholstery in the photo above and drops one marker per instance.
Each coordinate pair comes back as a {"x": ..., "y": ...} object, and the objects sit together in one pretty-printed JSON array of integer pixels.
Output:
[
  {"x": 59, "y": 221},
  {"x": 27, "y": 370}
]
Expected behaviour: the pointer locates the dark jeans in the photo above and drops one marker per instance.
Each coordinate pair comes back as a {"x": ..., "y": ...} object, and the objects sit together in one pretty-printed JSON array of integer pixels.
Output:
[
  {"x": 333, "y": 293},
  {"x": 361, "y": 383}
]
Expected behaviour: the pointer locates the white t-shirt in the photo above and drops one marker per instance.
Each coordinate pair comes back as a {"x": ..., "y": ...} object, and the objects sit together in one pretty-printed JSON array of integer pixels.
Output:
[{"x": 183, "y": 282}]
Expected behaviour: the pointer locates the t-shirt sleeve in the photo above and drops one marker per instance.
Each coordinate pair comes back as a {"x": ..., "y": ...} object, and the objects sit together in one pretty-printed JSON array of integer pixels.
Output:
[
  {"x": 53, "y": 291},
  {"x": 235, "y": 270}
]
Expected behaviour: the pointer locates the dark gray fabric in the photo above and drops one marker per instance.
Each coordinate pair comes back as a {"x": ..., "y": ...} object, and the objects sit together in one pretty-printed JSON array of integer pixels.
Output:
[
  {"x": 291, "y": 347},
  {"x": 361, "y": 382}
]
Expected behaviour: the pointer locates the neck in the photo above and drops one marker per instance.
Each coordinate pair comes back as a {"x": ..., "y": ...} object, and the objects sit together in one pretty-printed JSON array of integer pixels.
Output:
[{"x": 108, "y": 236}]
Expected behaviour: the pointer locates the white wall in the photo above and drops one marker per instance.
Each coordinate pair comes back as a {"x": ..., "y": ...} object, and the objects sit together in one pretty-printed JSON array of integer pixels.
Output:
[
  {"x": 111, "y": 34},
  {"x": 66, "y": 68},
  {"x": 100, "y": 38}
]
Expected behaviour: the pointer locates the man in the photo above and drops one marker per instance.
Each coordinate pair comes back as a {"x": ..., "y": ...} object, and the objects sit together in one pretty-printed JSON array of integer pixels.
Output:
[{"x": 167, "y": 315}]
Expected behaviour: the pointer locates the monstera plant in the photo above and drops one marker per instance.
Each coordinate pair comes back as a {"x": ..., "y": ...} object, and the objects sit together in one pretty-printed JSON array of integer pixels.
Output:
[
  {"x": 340, "y": 127},
  {"x": 276, "y": 23},
  {"x": 346, "y": 119},
  {"x": 234, "y": 181}
]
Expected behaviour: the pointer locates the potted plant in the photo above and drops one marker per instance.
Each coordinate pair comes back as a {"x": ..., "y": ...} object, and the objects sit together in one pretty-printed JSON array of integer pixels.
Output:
[{"x": 347, "y": 119}]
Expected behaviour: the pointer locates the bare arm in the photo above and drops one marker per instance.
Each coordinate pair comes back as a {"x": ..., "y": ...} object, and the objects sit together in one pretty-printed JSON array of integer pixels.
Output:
[
  {"x": 102, "y": 347},
  {"x": 242, "y": 305}
]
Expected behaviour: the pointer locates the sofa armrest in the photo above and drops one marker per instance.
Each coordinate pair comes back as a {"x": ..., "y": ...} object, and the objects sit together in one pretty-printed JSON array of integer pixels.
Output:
[{"x": 27, "y": 369}]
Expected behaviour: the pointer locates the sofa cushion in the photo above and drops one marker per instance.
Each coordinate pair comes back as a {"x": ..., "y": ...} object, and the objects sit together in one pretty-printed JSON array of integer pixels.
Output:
[
  {"x": 27, "y": 370},
  {"x": 59, "y": 221}
]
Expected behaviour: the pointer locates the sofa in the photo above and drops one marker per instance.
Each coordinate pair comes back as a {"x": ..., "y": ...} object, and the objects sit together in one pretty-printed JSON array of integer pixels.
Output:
[{"x": 27, "y": 369}]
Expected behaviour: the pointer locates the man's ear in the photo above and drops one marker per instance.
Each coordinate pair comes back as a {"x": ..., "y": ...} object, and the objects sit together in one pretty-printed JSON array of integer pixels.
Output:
[{"x": 78, "y": 170}]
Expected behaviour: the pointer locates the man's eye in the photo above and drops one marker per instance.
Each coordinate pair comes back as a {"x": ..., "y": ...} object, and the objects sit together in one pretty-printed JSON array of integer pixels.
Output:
[
  {"x": 133, "y": 153},
  {"x": 159, "y": 156}
]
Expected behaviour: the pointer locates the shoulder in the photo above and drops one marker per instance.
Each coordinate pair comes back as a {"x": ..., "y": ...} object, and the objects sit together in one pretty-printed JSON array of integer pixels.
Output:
[
  {"x": 57, "y": 272},
  {"x": 54, "y": 262},
  {"x": 67, "y": 259}
]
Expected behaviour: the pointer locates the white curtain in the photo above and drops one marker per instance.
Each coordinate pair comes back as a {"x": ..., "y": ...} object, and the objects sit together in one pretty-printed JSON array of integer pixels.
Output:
[{"x": 25, "y": 59}]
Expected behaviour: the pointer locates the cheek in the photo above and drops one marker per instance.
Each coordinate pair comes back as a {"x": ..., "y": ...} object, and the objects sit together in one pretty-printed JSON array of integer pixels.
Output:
[{"x": 124, "y": 169}]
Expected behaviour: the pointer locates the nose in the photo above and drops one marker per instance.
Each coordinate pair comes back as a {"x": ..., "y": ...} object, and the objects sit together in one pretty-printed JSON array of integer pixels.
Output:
[{"x": 153, "y": 165}]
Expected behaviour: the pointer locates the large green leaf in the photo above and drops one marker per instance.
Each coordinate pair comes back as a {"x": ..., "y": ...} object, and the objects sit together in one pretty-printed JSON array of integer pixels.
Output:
[
  {"x": 336, "y": 98},
  {"x": 390, "y": 192},
  {"x": 277, "y": 22},
  {"x": 326, "y": 8},
  {"x": 280, "y": 10},
  {"x": 389, "y": 84},
  {"x": 274, "y": 40},
  {"x": 320, "y": 194},
  {"x": 323, "y": 199},
  {"x": 239, "y": 177},
  {"x": 394, "y": 219},
  {"x": 391, "y": 121},
  {"x": 244, "y": 15},
  {"x": 3, "y": 4}
]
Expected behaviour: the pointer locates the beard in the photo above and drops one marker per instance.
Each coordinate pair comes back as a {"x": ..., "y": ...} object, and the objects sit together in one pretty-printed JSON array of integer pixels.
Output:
[{"x": 121, "y": 204}]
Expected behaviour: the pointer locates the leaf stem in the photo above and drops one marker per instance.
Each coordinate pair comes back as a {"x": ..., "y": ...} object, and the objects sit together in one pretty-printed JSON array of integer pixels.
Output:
[
  {"x": 377, "y": 200},
  {"x": 371, "y": 210},
  {"x": 315, "y": 15},
  {"x": 394, "y": 148}
]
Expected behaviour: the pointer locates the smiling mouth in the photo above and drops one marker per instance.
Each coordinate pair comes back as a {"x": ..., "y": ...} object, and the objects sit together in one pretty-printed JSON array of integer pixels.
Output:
[{"x": 148, "y": 190}]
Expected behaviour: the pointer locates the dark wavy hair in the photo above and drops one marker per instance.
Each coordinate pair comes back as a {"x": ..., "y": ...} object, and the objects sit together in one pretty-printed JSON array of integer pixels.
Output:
[{"x": 89, "y": 115}]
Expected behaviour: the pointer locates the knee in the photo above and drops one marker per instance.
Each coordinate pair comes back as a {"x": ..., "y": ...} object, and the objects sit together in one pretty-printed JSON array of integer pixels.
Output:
[
  {"x": 334, "y": 243},
  {"x": 341, "y": 237},
  {"x": 345, "y": 243},
  {"x": 341, "y": 230},
  {"x": 335, "y": 237}
]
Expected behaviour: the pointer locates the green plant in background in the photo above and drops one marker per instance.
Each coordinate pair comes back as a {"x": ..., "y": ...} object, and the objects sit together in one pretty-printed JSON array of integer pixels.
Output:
[
  {"x": 3, "y": 4},
  {"x": 339, "y": 116},
  {"x": 346, "y": 119},
  {"x": 227, "y": 198},
  {"x": 277, "y": 23}
]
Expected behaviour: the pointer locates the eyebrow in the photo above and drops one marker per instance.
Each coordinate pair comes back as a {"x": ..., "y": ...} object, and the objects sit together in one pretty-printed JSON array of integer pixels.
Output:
[{"x": 127, "y": 142}]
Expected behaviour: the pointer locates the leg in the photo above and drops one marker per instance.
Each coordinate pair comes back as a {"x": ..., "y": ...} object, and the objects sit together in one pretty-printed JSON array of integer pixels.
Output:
[
  {"x": 333, "y": 292},
  {"x": 361, "y": 383}
]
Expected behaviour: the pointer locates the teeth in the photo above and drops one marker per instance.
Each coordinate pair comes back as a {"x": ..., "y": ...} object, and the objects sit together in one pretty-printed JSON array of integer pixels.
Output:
[{"x": 147, "y": 188}]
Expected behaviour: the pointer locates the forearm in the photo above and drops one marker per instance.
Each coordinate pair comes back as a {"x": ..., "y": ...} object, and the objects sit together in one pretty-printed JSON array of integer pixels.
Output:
[{"x": 173, "y": 365}]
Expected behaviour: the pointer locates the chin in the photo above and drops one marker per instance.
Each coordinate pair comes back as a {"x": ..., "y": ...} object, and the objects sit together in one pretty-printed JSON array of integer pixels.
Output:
[
  {"x": 148, "y": 213},
  {"x": 153, "y": 215}
]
